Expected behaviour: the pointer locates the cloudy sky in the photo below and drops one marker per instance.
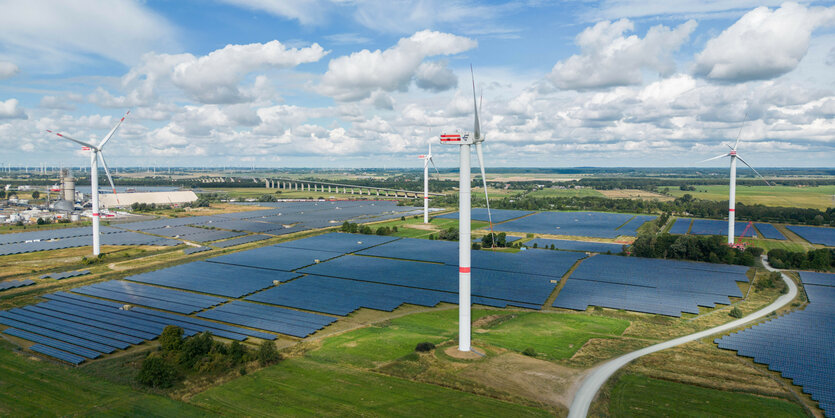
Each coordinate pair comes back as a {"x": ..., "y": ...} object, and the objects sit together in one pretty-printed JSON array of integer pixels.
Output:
[{"x": 369, "y": 83}]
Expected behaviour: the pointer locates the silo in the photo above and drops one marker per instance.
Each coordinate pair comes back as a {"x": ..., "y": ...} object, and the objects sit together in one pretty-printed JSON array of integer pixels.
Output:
[{"x": 67, "y": 185}]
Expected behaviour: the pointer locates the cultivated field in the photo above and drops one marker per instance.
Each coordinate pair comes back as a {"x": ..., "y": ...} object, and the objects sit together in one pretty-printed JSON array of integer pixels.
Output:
[{"x": 820, "y": 197}]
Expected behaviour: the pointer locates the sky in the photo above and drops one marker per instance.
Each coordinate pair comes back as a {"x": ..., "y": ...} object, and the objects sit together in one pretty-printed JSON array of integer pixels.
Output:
[{"x": 371, "y": 83}]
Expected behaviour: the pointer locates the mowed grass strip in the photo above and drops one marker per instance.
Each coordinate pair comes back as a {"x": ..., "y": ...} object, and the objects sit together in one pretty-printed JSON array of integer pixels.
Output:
[
  {"x": 553, "y": 336},
  {"x": 31, "y": 387},
  {"x": 302, "y": 387},
  {"x": 635, "y": 395}
]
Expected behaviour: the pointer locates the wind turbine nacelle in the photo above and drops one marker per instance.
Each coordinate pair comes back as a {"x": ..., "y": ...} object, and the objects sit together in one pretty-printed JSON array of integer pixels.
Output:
[{"x": 458, "y": 138}]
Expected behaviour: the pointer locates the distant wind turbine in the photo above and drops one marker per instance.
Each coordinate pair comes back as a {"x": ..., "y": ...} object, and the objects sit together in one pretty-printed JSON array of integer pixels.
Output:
[
  {"x": 426, "y": 160},
  {"x": 732, "y": 195},
  {"x": 464, "y": 140},
  {"x": 95, "y": 155}
]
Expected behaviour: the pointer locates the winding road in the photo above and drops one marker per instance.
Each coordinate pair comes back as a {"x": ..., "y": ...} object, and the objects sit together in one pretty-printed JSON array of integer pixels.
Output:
[{"x": 595, "y": 380}]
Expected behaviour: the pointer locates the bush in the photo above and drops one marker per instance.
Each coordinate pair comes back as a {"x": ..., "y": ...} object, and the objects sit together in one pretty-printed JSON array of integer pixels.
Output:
[
  {"x": 171, "y": 338},
  {"x": 402, "y": 218},
  {"x": 530, "y": 352},
  {"x": 424, "y": 347},
  {"x": 36, "y": 194},
  {"x": 267, "y": 353},
  {"x": 736, "y": 312},
  {"x": 41, "y": 221},
  {"x": 156, "y": 372},
  {"x": 476, "y": 246}
]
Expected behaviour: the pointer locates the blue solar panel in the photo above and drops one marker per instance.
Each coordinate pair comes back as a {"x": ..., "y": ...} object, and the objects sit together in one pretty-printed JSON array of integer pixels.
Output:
[
  {"x": 821, "y": 279},
  {"x": 215, "y": 278},
  {"x": 815, "y": 234},
  {"x": 70, "y": 348},
  {"x": 151, "y": 296},
  {"x": 61, "y": 355},
  {"x": 561, "y": 244},
  {"x": 480, "y": 214},
  {"x": 717, "y": 227},
  {"x": 796, "y": 345},
  {"x": 11, "y": 284},
  {"x": 585, "y": 224},
  {"x": 275, "y": 258},
  {"x": 681, "y": 226},
  {"x": 338, "y": 242},
  {"x": 769, "y": 231},
  {"x": 280, "y": 320},
  {"x": 240, "y": 241}
]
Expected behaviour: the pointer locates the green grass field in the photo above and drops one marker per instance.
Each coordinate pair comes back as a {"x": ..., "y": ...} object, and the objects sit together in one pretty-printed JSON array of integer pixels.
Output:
[
  {"x": 565, "y": 193},
  {"x": 553, "y": 336},
  {"x": 302, "y": 387},
  {"x": 635, "y": 395},
  {"x": 820, "y": 197},
  {"x": 437, "y": 223},
  {"x": 38, "y": 388},
  {"x": 770, "y": 244}
]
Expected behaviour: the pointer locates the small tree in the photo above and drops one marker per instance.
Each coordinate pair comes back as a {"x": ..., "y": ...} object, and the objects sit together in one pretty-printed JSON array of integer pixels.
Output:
[
  {"x": 267, "y": 353},
  {"x": 171, "y": 338},
  {"x": 36, "y": 195},
  {"x": 530, "y": 352},
  {"x": 736, "y": 312},
  {"x": 155, "y": 372},
  {"x": 41, "y": 221}
]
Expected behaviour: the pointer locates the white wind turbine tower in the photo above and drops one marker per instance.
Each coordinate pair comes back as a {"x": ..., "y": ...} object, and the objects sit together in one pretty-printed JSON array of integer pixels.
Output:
[
  {"x": 732, "y": 195},
  {"x": 95, "y": 155},
  {"x": 464, "y": 140},
  {"x": 426, "y": 160}
]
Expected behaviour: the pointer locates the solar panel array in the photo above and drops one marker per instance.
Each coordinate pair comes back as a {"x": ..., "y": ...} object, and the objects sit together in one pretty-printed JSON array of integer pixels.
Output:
[
  {"x": 12, "y": 284},
  {"x": 815, "y": 234},
  {"x": 191, "y": 233},
  {"x": 584, "y": 224},
  {"x": 480, "y": 214},
  {"x": 270, "y": 318},
  {"x": 241, "y": 240},
  {"x": 65, "y": 274},
  {"x": 800, "y": 345},
  {"x": 113, "y": 238},
  {"x": 681, "y": 226},
  {"x": 769, "y": 231},
  {"x": 194, "y": 250},
  {"x": 717, "y": 227},
  {"x": 150, "y": 296},
  {"x": 213, "y": 278},
  {"x": 562, "y": 244},
  {"x": 74, "y": 328},
  {"x": 666, "y": 287}
]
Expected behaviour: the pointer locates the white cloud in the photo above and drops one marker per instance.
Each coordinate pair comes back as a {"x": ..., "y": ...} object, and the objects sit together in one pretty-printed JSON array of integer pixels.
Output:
[
  {"x": 435, "y": 76},
  {"x": 347, "y": 39},
  {"x": 763, "y": 44},
  {"x": 10, "y": 110},
  {"x": 608, "y": 58},
  {"x": 48, "y": 34},
  {"x": 8, "y": 70},
  {"x": 615, "y": 9},
  {"x": 356, "y": 76},
  {"x": 307, "y": 12},
  {"x": 214, "y": 78}
]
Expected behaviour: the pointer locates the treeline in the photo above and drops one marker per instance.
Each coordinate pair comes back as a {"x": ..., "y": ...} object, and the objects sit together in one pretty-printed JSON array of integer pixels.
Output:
[
  {"x": 367, "y": 230},
  {"x": 822, "y": 259},
  {"x": 653, "y": 183},
  {"x": 682, "y": 206},
  {"x": 178, "y": 357},
  {"x": 712, "y": 249}
]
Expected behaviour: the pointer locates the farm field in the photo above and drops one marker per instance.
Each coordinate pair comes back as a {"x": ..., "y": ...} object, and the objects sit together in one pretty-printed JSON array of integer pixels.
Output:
[
  {"x": 304, "y": 387},
  {"x": 820, "y": 197},
  {"x": 634, "y": 194},
  {"x": 551, "y": 192},
  {"x": 35, "y": 387},
  {"x": 635, "y": 395}
]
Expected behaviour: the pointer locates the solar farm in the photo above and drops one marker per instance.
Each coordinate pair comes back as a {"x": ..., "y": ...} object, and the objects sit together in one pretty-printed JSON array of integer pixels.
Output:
[
  {"x": 315, "y": 286},
  {"x": 798, "y": 344}
]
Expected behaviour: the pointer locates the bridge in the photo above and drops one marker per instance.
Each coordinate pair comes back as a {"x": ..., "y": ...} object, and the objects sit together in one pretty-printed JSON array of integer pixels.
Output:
[{"x": 339, "y": 188}]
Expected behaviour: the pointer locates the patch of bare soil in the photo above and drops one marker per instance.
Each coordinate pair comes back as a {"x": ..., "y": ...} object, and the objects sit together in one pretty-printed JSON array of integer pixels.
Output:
[
  {"x": 634, "y": 194},
  {"x": 423, "y": 227},
  {"x": 474, "y": 354},
  {"x": 528, "y": 377}
]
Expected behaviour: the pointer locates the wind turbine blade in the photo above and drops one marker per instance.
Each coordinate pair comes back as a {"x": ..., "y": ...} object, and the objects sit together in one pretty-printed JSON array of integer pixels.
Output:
[
  {"x": 486, "y": 197},
  {"x": 714, "y": 158},
  {"x": 752, "y": 168},
  {"x": 433, "y": 165},
  {"x": 113, "y": 131},
  {"x": 740, "y": 130},
  {"x": 110, "y": 179},
  {"x": 73, "y": 140},
  {"x": 476, "y": 125}
]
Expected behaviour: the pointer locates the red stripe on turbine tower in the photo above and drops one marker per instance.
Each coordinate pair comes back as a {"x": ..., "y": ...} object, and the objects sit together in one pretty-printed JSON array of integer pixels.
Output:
[
  {"x": 732, "y": 210},
  {"x": 463, "y": 269}
]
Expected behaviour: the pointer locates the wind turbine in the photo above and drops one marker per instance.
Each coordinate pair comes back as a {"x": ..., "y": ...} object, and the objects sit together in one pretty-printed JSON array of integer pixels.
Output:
[
  {"x": 464, "y": 140},
  {"x": 732, "y": 195},
  {"x": 426, "y": 160},
  {"x": 95, "y": 155}
]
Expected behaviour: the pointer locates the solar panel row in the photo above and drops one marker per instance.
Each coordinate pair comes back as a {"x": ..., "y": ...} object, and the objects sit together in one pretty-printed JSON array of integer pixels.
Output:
[
  {"x": 796, "y": 344},
  {"x": 214, "y": 278},
  {"x": 194, "y": 250},
  {"x": 150, "y": 296},
  {"x": 681, "y": 226},
  {"x": 241, "y": 240},
  {"x": 769, "y": 231},
  {"x": 11, "y": 284},
  {"x": 586, "y": 224},
  {"x": 717, "y": 227},
  {"x": 65, "y": 274},
  {"x": 561, "y": 244},
  {"x": 270, "y": 318},
  {"x": 815, "y": 234}
]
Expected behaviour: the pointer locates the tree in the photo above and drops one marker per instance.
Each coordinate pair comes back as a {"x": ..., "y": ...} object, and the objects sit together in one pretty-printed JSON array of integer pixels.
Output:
[
  {"x": 267, "y": 353},
  {"x": 156, "y": 372},
  {"x": 2, "y": 194},
  {"x": 171, "y": 338},
  {"x": 41, "y": 221},
  {"x": 36, "y": 195},
  {"x": 424, "y": 347},
  {"x": 735, "y": 312}
]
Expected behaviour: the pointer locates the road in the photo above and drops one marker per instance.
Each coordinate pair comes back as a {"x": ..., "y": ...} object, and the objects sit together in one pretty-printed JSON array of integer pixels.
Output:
[{"x": 595, "y": 380}]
